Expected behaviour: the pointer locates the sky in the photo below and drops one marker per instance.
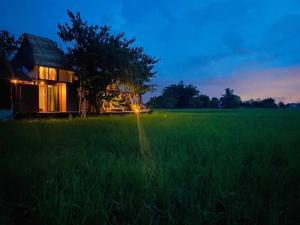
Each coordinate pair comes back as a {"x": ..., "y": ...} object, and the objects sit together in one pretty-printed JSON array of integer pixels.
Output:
[{"x": 251, "y": 46}]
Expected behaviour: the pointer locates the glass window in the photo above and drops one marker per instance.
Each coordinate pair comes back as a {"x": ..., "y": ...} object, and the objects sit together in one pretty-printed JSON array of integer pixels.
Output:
[
  {"x": 43, "y": 71},
  {"x": 52, "y": 100},
  {"x": 66, "y": 75},
  {"x": 62, "y": 92},
  {"x": 42, "y": 98},
  {"x": 52, "y": 74},
  {"x": 47, "y": 73}
]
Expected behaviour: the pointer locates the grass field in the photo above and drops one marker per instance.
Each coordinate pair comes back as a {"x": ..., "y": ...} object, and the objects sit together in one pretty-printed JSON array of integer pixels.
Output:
[{"x": 180, "y": 167}]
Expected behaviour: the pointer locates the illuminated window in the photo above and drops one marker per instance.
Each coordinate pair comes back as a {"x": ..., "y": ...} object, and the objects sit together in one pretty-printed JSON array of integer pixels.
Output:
[
  {"x": 66, "y": 75},
  {"x": 47, "y": 73},
  {"x": 43, "y": 71},
  {"x": 62, "y": 97},
  {"x": 52, "y": 74}
]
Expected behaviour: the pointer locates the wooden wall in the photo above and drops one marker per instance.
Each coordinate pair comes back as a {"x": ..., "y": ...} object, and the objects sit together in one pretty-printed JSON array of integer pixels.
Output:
[
  {"x": 72, "y": 97},
  {"x": 26, "y": 98},
  {"x": 5, "y": 97}
]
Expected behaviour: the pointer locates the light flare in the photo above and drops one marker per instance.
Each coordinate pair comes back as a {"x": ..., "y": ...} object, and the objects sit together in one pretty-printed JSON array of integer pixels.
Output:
[{"x": 144, "y": 144}]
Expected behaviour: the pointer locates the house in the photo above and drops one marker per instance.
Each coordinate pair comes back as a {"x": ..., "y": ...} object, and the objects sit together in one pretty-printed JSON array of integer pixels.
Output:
[{"x": 38, "y": 79}]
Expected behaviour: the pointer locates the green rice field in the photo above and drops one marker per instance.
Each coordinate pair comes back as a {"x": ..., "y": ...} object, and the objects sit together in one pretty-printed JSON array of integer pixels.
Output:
[{"x": 233, "y": 167}]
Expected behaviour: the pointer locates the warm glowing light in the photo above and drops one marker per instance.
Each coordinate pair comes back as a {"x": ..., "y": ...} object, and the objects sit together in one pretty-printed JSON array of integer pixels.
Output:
[
  {"x": 42, "y": 83},
  {"x": 144, "y": 143},
  {"x": 22, "y": 82}
]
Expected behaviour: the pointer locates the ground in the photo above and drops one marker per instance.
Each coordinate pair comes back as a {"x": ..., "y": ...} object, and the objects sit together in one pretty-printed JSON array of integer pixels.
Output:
[{"x": 169, "y": 167}]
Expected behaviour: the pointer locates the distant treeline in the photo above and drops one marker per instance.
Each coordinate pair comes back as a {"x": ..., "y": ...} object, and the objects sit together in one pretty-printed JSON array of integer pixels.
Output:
[{"x": 187, "y": 96}]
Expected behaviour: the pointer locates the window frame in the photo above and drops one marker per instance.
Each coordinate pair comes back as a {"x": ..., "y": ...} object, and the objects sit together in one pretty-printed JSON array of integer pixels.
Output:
[{"x": 47, "y": 78}]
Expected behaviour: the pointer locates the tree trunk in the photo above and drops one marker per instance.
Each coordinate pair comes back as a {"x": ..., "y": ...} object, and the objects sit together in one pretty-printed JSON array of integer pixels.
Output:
[
  {"x": 140, "y": 98},
  {"x": 11, "y": 85},
  {"x": 82, "y": 102}
]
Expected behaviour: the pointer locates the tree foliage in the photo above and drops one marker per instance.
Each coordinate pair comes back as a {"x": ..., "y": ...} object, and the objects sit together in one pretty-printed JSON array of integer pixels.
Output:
[
  {"x": 181, "y": 96},
  {"x": 229, "y": 100},
  {"x": 100, "y": 57},
  {"x": 265, "y": 103},
  {"x": 214, "y": 103},
  {"x": 187, "y": 96},
  {"x": 281, "y": 105},
  {"x": 8, "y": 44}
]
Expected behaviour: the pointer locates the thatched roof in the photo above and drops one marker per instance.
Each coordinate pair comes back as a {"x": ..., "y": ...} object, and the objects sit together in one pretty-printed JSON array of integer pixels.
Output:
[
  {"x": 40, "y": 51},
  {"x": 46, "y": 52}
]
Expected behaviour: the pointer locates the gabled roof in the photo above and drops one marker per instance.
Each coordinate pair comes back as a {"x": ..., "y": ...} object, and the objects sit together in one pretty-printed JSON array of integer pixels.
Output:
[
  {"x": 46, "y": 53},
  {"x": 36, "y": 50}
]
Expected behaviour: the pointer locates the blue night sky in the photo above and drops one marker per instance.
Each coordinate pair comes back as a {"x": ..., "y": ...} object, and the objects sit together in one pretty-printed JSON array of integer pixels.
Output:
[{"x": 251, "y": 46}]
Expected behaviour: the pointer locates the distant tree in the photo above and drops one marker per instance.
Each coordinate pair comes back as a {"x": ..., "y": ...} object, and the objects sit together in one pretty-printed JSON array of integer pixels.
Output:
[
  {"x": 201, "y": 101},
  {"x": 162, "y": 102},
  {"x": 229, "y": 100},
  {"x": 214, "y": 103},
  {"x": 264, "y": 103},
  {"x": 155, "y": 102},
  {"x": 293, "y": 105},
  {"x": 251, "y": 103},
  {"x": 268, "y": 103},
  {"x": 176, "y": 96},
  {"x": 186, "y": 95},
  {"x": 281, "y": 105}
]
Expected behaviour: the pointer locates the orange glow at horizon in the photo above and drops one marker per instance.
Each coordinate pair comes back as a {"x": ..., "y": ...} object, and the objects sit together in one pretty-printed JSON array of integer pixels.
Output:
[{"x": 282, "y": 84}]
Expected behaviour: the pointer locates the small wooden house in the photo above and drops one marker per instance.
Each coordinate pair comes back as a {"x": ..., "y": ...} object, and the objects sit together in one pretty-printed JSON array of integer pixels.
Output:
[{"x": 38, "y": 79}]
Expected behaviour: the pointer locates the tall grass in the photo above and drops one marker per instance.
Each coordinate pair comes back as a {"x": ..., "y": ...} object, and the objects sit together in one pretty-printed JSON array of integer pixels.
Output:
[{"x": 200, "y": 167}]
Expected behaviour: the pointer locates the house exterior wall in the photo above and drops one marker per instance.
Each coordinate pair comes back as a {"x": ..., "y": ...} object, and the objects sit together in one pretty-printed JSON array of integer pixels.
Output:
[
  {"x": 35, "y": 56},
  {"x": 25, "y": 98},
  {"x": 5, "y": 97},
  {"x": 72, "y": 97},
  {"x": 65, "y": 75}
]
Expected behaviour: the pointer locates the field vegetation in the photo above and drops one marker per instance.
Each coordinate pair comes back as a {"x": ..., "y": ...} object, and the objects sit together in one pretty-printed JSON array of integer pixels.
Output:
[{"x": 180, "y": 167}]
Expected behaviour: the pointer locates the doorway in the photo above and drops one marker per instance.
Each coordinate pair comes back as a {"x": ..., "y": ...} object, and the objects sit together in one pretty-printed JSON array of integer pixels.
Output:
[
  {"x": 52, "y": 98},
  {"x": 52, "y": 101},
  {"x": 42, "y": 98}
]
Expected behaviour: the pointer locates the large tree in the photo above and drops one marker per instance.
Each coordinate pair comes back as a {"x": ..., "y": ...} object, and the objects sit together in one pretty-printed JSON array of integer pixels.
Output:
[
  {"x": 201, "y": 101},
  {"x": 99, "y": 57},
  {"x": 8, "y": 46},
  {"x": 140, "y": 71}
]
